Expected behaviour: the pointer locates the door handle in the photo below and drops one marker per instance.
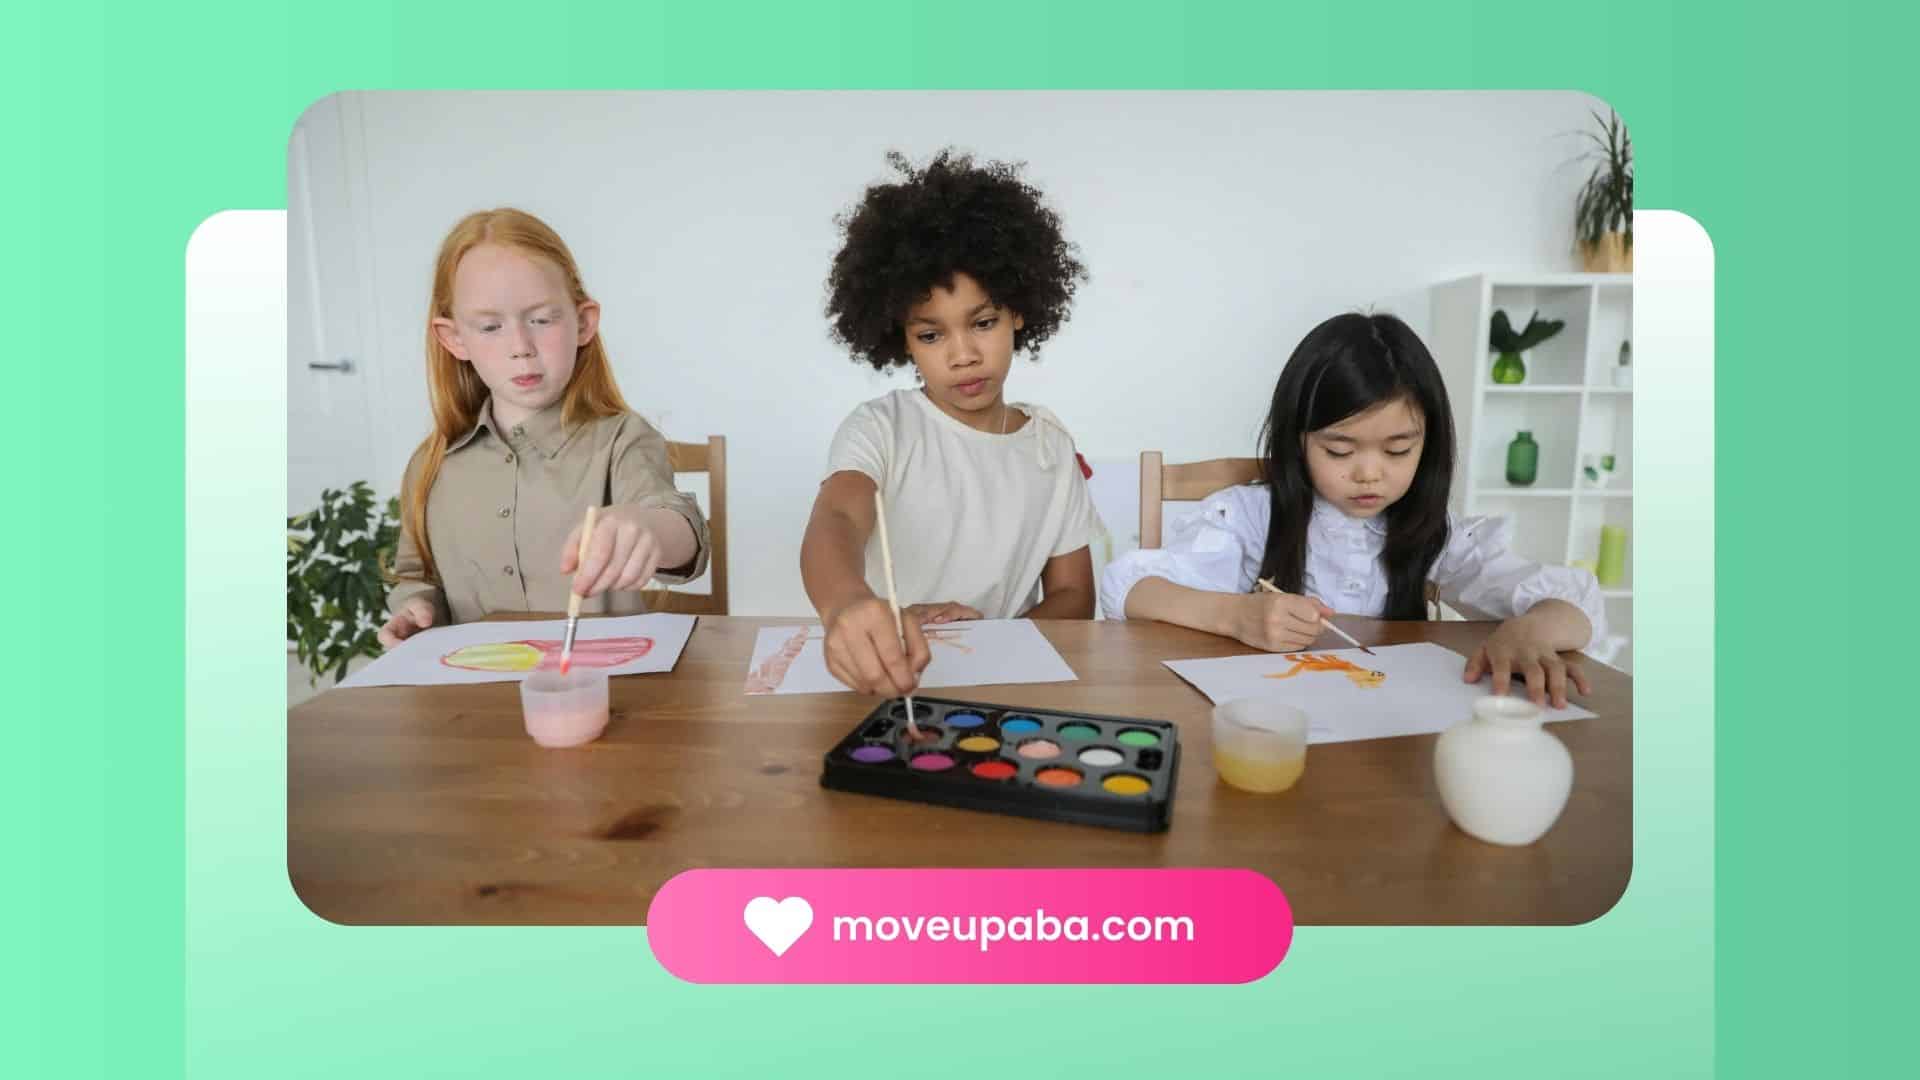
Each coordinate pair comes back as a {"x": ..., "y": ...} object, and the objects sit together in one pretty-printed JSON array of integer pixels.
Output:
[{"x": 343, "y": 365}]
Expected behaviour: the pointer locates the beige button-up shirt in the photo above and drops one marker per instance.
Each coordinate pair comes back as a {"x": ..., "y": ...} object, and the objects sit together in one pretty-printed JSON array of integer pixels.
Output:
[{"x": 500, "y": 511}]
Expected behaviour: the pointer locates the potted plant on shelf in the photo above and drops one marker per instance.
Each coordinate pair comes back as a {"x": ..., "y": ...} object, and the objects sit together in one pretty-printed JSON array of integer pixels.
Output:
[
  {"x": 1603, "y": 212},
  {"x": 1511, "y": 368},
  {"x": 338, "y": 558}
]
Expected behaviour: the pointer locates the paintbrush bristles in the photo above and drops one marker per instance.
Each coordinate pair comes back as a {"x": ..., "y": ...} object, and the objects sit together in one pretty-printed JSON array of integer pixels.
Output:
[
  {"x": 893, "y": 596},
  {"x": 1348, "y": 638}
]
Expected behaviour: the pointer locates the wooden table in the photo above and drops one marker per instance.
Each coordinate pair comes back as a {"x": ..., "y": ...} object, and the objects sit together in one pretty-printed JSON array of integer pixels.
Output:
[{"x": 430, "y": 804}]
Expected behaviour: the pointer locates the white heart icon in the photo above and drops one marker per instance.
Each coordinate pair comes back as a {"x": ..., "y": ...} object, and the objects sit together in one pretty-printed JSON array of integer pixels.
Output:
[{"x": 778, "y": 923}]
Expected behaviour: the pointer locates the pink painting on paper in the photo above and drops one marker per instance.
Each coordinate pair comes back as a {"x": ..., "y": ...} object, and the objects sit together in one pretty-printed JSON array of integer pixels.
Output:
[{"x": 770, "y": 674}]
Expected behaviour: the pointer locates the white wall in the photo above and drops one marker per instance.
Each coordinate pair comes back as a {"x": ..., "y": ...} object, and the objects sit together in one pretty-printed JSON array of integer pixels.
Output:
[{"x": 1218, "y": 229}]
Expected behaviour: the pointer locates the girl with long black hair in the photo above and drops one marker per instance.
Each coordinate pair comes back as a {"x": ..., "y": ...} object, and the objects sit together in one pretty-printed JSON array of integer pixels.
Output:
[{"x": 1352, "y": 518}]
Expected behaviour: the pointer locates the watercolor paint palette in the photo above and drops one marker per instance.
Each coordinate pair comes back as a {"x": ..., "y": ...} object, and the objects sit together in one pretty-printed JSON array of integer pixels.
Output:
[{"x": 1113, "y": 771}]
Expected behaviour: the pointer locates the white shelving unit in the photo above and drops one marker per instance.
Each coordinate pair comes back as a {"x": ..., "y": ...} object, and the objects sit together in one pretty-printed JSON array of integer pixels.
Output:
[{"x": 1568, "y": 401}]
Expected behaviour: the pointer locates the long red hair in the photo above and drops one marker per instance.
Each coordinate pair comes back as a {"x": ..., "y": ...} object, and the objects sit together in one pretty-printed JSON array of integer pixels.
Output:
[{"x": 455, "y": 389}]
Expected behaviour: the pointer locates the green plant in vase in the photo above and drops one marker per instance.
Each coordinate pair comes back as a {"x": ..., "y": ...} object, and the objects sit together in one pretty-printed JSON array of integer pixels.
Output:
[
  {"x": 1603, "y": 211},
  {"x": 1510, "y": 369},
  {"x": 338, "y": 557}
]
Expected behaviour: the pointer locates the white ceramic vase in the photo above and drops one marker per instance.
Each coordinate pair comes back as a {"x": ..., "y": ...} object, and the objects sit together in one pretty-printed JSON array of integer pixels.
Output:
[{"x": 1502, "y": 777}]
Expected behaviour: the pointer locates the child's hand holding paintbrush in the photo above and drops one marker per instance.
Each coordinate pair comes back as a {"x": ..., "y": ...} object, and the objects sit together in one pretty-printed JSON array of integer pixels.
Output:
[
  {"x": 619, "y": 548},
  {"x": 622, "y": 547},
  {"x": 871, "y": 646},
  {"x": 1283, "y": 622},
  {"x": 864, "y": 650}
]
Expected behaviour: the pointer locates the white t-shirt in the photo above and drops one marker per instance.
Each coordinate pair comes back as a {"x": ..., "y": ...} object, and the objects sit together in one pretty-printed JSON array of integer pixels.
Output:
[
  {"x": 972, "y": 516},
  {"x": 1220, "y": 549}
]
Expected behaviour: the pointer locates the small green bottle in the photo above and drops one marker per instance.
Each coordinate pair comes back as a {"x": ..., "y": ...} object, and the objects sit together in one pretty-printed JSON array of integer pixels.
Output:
[{"x": 1523, "y": 459}]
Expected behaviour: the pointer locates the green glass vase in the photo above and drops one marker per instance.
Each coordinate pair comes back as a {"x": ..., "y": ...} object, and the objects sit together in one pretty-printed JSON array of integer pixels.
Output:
[
  {"x": 1523, "y": 459},
  {"x": 1509, "y": 369}
]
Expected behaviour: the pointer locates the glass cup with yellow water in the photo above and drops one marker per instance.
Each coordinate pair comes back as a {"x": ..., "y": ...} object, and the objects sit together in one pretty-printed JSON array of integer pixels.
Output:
[{"x": 1259, "y": 744}]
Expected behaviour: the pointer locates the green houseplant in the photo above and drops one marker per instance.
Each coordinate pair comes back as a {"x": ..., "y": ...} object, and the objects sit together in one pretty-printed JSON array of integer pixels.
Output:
[
  {"x": 339, "y": 555},
  {"x": 1603, "y": 211},
  {"x": 1510, "y": 368}
]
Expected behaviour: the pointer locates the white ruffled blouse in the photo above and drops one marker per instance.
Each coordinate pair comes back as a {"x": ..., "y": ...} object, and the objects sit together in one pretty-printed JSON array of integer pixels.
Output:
[{"x": 1219, "y": 549}]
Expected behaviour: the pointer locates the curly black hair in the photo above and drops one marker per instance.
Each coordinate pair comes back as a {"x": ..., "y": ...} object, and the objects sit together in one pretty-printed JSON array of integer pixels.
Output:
[{"x": 904, "y": 239}]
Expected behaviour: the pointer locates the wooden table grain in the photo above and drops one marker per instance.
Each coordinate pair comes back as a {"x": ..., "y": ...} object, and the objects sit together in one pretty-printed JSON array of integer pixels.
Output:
[{"x": 429, "y": 805}]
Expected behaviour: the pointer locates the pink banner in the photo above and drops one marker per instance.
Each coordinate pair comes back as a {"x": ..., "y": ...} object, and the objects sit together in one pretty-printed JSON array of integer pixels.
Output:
[{"x": 969, "y": 926}]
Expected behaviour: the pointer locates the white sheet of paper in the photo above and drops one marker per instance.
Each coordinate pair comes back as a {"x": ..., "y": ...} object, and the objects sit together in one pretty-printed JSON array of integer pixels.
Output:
[
  {"x": 1420, "y": 694},
  {"x": 791, "y": 660},
  {"x": 505, "y": 651}
]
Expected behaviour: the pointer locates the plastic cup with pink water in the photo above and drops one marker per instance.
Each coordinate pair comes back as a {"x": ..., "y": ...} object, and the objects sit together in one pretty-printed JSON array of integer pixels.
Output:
[{"x": 565, "y": 710}]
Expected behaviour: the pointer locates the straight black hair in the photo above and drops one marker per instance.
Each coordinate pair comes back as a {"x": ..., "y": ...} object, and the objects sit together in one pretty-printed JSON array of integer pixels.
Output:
[{"x": 1343, "y": 367}]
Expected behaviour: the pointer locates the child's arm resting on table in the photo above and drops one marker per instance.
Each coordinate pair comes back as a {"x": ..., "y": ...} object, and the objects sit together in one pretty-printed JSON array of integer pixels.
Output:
[
  {"x": 415, "y": 602},
  {"x": 863, "y": 647},
  {"x": 1529, "y": 646},
  {"x": 951, "y": 611},
  {"x": 1066, "y": 587},
  {"x": 415, "y": 613},
  {"x": 1548, "y": 610}
]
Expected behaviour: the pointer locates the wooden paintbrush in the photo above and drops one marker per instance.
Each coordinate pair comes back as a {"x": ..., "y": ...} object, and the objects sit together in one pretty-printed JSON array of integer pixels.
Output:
[
  {"x": 893, "y": 597},
  {"x": 573, "y": 598},
  {"x": 1348, "y": 638}
]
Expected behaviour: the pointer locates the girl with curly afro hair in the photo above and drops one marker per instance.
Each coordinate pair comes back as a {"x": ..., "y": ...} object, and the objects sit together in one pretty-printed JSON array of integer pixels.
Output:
[{"x": 951, "y": 268}]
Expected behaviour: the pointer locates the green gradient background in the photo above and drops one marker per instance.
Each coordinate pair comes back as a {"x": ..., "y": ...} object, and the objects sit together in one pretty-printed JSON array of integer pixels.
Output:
[{"x": 129, "y": 124}]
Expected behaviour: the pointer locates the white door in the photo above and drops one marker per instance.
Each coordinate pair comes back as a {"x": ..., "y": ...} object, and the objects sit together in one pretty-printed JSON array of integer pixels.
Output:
[{"x": 328, "y": 419}]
